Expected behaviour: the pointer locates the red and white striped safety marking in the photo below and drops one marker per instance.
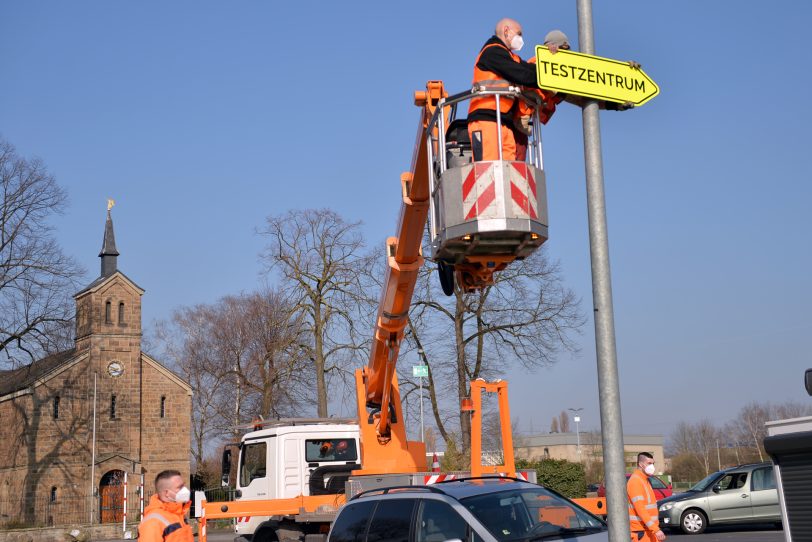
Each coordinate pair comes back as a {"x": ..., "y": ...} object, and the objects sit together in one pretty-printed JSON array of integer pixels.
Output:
[
  {"x": 243, "y": 519},
  {"x": 478, "y": 190},
  {"x": 523, "y": 192},
  {"x": 434, "y": 478}
]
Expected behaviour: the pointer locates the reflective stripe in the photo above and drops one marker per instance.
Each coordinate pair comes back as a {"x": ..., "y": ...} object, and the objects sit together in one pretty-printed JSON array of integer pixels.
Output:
[
  {"x": 650, "y": 506},
  {"x": 638, "y": 498},
  {"x": 651, "y": 522},
  {"x": 159, "y": 517},
  {"x": 636, "y": 518}
]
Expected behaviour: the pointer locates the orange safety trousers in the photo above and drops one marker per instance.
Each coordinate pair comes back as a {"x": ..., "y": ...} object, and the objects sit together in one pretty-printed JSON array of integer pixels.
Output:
[
  {"x": 485, "y": 135},
  {"x": 647, "y": 537}
]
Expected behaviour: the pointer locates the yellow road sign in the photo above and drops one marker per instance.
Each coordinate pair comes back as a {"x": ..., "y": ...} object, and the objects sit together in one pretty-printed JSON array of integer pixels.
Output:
[{"x": 593, "y": 77}]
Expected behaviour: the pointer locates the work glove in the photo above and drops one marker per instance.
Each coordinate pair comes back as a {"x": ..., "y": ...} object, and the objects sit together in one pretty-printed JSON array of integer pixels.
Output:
[
  {"x": 625, "y": 106},
  {"x": 635, "y": 65},
  {"x": 524, "y": 125}
]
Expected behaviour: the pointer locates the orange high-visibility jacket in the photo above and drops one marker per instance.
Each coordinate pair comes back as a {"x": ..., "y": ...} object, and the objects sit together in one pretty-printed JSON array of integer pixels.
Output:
[
  {"x": 488, "y": 103},
  {"x": 642, "y": 503},
  {"x": 165, "y": 521},
  {"x": 549, "y": 100}
]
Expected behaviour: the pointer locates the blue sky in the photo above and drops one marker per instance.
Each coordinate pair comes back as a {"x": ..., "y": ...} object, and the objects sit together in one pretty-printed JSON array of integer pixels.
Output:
[{"x": 202, "y": 118}]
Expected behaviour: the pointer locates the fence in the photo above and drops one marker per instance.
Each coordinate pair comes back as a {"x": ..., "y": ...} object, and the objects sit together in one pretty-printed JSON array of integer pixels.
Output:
[{"x": 59, "y": 510}]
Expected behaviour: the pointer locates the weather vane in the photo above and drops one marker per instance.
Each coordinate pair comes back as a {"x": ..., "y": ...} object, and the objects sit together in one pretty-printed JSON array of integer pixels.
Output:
[{"x": 110, "y": 203}]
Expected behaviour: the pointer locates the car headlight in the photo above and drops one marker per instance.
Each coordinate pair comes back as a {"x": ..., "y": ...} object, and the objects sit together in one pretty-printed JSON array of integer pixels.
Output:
[{"x": 667, "y": 506}]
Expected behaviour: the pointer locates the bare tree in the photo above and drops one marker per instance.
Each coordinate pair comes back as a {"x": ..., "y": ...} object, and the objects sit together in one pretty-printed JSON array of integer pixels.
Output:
[
  {"x": 240, "y": 357},
  {"x": 698, "y": 440},
  {"x": 187, "y": 346},
  {"x": 319, "y": 257},
  {"x": 564, "y": 421},
  {"x": 554, "y": 425},
  {"x": 525, "y": 318},
  {"x": 36, "y": 278},
  {"x": 749, "y": 427}
]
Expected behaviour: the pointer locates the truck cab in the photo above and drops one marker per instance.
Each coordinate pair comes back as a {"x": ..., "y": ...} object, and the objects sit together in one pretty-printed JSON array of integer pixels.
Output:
[{"x": 286, "y": 459}]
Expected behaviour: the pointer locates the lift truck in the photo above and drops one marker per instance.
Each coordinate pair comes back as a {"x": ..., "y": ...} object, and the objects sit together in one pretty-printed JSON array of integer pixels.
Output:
[{"x": 483, "y": 216}]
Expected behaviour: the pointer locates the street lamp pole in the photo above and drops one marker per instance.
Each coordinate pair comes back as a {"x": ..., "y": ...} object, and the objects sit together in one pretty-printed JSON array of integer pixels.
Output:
[{"x": 577, "y": 419}]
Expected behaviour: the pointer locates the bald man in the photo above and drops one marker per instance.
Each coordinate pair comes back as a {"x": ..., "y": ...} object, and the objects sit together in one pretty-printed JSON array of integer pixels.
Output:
[{"x": 497, "y": 65}]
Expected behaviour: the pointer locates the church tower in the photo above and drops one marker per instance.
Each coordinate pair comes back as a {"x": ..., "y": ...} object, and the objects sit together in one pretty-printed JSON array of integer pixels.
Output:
[{"x": 108, "y": 328}]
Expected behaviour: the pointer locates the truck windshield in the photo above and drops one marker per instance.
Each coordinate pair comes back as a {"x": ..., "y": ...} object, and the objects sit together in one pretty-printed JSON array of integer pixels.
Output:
[
  {"x": 530, "y": 514},
  {"x": 252, "y": 462}
]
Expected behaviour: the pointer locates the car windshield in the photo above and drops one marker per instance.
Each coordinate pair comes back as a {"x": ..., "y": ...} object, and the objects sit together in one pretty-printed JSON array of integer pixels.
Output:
[
  {"x": 705, "y": 482},
  {"x": 531, "y": 514}
]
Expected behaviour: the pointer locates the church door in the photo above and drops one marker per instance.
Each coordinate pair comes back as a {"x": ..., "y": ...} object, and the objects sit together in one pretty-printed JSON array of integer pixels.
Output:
[{"x": 111, "y": 497}]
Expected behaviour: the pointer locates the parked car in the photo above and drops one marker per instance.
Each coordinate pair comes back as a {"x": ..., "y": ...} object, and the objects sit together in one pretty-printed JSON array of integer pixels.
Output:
[
  {"x": 467, "y": 510},
  {"x": 743, "y": 494},
  {"x": 661, "y": 489}
]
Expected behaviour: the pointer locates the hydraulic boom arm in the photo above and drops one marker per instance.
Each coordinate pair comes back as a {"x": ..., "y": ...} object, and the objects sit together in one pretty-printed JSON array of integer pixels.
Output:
[{"x": 377, "y": 384}]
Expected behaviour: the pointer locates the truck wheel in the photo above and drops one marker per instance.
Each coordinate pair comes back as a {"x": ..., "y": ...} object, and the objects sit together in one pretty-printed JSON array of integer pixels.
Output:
[
  {"x": 263, "y": 534},
  {"x": 693, "y": 522}
]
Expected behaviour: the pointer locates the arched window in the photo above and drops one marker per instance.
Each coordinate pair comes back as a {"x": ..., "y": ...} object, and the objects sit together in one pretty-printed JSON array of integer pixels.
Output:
[
  {"x": 163, "y": 406},
  {"x": 121, "y": 313},
  {"x": 53, "y": 494},
  {"x": 108, "y": 313},
  {"x": 112, "y": 407},
  {"x": 56, "y": 407}
]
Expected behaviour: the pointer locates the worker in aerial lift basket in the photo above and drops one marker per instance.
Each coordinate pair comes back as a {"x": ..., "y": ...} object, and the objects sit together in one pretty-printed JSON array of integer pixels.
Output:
[{"x": 498, "y": 65}]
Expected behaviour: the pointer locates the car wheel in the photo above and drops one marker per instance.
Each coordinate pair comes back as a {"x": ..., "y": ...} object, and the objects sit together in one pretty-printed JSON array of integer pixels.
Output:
[{"x": 693, "y": 522}]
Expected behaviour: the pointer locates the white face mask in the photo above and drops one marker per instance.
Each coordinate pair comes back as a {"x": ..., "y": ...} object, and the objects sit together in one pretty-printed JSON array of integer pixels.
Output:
[
  {"x": 517, "y": 43},
  {"x": 649, "y": 469},
  {"x": 183, "y": 495}
]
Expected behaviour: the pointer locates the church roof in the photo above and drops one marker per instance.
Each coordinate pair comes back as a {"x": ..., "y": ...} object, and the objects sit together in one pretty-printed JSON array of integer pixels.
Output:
[
  {"x": 23, "y": 377},
  {"x": 101, "y": 280}
]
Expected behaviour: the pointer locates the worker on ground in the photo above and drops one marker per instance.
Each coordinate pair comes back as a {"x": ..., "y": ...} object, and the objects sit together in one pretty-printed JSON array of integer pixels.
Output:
[
  {"x": 643, "y": 520},
  {"x": 498, "y": 65},
  {"x": 165, "y": 516}
]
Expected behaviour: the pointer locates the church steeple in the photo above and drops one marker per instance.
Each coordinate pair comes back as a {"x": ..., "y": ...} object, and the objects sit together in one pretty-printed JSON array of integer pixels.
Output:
[{"x": 109, "y": 254}]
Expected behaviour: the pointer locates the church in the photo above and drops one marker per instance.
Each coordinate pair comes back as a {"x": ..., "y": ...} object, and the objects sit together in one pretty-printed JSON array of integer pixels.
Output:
[{"x": 74, "y": 423}]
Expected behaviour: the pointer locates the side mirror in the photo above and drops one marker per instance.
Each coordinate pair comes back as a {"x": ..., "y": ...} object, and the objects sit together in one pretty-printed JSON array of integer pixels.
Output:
[
  {"x": 669, "y": 486},
  {"x": 226, "y": 467},
  {"x": 808, "y": 381},
  {"x": 717, "y": 488}
]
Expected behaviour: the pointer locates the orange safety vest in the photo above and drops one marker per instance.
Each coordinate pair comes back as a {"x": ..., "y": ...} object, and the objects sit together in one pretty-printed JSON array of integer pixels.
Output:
[
  {"x": 549, "y": 100},
  {"x": 165, "y": 521},
  {"x": 642, "y": 504},
  {"x": 493, "y": 79}
]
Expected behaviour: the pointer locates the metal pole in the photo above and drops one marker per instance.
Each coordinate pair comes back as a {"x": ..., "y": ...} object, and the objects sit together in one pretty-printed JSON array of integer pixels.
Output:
[
  {"x": 124, "y": 524},
  {"x": 608, "y": 385},
  {"x": 93, "y": 455},
  {"x": 422, "y": 434}
]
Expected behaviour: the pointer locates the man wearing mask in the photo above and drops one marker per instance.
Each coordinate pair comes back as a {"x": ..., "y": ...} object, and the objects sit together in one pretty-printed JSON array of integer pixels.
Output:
[
  {"x": 165, "y": 516},
  {"x": 498, "y": 64},
  {"x": 643, "y": 519}
]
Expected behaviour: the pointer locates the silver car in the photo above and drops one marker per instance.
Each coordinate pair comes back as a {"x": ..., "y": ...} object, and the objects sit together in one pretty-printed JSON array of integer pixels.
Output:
[
  {"x": 466, "y": 510},
  {"x": 743, "y": 494}
]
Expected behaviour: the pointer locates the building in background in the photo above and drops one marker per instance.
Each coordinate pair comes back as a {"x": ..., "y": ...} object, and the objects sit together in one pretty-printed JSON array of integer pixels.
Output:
[
  {"x": 565, "y": 446},
  {"x": 73, "y": 423}
]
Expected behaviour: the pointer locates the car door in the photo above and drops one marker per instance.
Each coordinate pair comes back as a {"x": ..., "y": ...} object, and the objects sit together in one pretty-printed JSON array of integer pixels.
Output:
[
  {"x": 729, "y": 499},
  {"x": 764, "y": 495}
]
